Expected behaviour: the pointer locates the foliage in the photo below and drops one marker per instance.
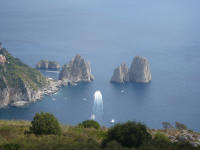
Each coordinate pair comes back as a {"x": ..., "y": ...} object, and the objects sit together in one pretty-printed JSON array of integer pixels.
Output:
[
  {"x": 167, "y": 125},
  {"x": 164, "y": 145},
  {"x": 160, "y": 137},
  {"x": 90, "y": 124},
  {"x": 130, "y": 134},
  {"x": 45, "y": 123},
  {"x": 113, "y": 145},
  {"x": 10, "y": 147},
  {"x": 71, "y": 138},
  {"x": 180, "y": 126},
  {"x": 16, "y": 74}
]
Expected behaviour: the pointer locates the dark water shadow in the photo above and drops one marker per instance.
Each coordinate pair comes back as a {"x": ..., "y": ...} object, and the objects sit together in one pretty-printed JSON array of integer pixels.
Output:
[{"x": 136, "y": 90}]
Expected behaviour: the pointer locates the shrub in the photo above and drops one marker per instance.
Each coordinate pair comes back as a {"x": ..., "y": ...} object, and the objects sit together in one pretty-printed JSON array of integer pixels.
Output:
[
  {"x": 180, "y": 126},
  {"x": 90, "y": 124},
  {"x": 130, "y": 134},
  {"x": 113, "y": 145},
  {"x": 167, "y": 125},
  {"x": 45, "y": 123},
  {"x": 160, "y": 137},
  {"x": 10, "y": 147}
]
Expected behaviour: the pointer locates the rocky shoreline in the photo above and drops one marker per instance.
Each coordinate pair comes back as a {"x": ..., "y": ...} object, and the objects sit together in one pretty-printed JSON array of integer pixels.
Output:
[
  {"x": 175, "y": 135},
  {"x": 51, "y": 88}
]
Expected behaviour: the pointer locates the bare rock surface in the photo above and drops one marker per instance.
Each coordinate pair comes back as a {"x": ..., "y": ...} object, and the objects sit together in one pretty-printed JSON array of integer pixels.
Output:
[
  {"x": 140, "y": 70},
  {"x": 176, "y": 135},
  {"x": 45, "y": 64},
  {"x": 120, "y": 74},
  {"x": 77, "y": 70}
]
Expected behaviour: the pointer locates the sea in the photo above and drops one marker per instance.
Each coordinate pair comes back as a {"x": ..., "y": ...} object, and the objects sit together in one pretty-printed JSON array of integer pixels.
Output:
[{"x": 108, "y": 33}]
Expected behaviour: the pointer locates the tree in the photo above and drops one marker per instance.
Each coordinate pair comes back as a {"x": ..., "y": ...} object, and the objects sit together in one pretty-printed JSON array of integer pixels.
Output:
[
  {"x": 90, "y": 124},
  {"x": 160, "y": 137},
  {"x": 130, "y": 134},
  {"x": 167, "y": 125},
  {"x": 180, "y": 126},
  {"x": 45, "y": 123}
]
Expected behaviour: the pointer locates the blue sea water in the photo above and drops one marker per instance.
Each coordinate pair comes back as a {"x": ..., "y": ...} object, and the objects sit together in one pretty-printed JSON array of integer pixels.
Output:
[{"x": 108, "y": 33}]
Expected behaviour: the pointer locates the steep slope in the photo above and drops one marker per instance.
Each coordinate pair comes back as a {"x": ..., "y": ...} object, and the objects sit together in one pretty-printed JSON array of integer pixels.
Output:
[
  {"x": 77, "y": 70},
  {"x": 120, "y": 74},
  {"x": 18, "y": 82},
  {"x": 140, "y": 70}
]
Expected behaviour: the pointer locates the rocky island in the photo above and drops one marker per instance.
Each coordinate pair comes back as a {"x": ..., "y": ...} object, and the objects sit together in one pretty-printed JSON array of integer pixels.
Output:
[
  {"x": 21, "y": 84},
  {"x": 77, "y": 70},
  {"x": 120, "y": 74},
  {"x": 45, "y": 64},
  {"x": 138, "y": 72}
]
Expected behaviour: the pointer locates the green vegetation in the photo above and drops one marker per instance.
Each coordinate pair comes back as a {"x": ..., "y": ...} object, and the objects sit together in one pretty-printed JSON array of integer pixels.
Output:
[
  {"x": 45, "y": 123},
  {"x": 180, "y": 126},
  {"x": 160, "y": 137},
  {"x": 14, "y": 136},
  {"x": 130, "y": 134},
  {"x": 167, "y": 125},
  {"x": 90, "y": 124},
  {"x": 15, "y": 74}
]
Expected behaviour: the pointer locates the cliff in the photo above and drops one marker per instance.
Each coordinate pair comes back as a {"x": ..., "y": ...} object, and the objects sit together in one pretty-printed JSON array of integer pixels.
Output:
[
  {"x": 77, "y": 70},
  {"x": 45, "y": 64},
  {"x": 140, "y": 70},
  {"x": 120, "y": 74},
  {"x": 21, "y": 84}
]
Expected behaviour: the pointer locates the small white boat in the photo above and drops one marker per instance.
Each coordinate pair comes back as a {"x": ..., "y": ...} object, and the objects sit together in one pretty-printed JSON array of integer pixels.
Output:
[
  {"x": 122, "y": 91},
  {"x": 85, "y": 99},
  {"x": 112, "y": 121},
  {"x": 92, "y": 117}
]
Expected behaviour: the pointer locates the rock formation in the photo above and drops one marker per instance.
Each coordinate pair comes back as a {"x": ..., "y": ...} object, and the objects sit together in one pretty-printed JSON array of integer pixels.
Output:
[
  {"x": 21, "y": 84},
  {"x": 77, "y": 70},
  {"x": 140, "y": 70},
  {"x": 2, "y": 59},
  {"x": 0, "y": 45},
  {"x": 120, "y": 74},
  {"x": 45, "y": 64}
]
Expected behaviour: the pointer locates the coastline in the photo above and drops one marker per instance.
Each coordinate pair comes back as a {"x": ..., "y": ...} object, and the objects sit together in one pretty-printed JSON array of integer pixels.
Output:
[{"x": 51, "y": 88}]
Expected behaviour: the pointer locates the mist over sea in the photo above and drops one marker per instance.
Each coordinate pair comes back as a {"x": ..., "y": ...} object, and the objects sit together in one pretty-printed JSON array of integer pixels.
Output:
[{"x": 108, "y": 33}]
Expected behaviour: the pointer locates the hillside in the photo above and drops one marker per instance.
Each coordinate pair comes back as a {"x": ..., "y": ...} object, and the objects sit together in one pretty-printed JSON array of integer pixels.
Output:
[
  {"x": 18, "y": 82},
  {"x": 14, "y": 136}
]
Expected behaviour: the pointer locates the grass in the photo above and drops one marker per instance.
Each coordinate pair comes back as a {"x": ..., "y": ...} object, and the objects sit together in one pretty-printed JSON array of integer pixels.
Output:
[
  {"x": 15, "y": 74},
  {"x": 73, "y": 137},
  {"x": 13, "y": 134}
]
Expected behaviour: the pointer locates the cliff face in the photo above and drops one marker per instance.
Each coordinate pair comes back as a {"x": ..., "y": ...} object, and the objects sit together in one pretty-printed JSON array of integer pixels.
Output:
[
  {"x": 77, "y": 70},
  {"x": 140, "y": 70},
  {"x": 45, "y": 64},
  {"x": 18, "y": 82},
  {"x": 120, "y": 74}
]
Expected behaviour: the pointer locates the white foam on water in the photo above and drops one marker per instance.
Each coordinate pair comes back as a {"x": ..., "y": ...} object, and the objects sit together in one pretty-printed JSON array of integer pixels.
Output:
[{"x": 98, "y": 105}]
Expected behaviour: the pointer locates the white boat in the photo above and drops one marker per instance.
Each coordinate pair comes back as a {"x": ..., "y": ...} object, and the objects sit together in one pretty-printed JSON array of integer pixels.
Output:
[
  {"x": 112, "y": 121},
  {"x": 92, "y": 117}
]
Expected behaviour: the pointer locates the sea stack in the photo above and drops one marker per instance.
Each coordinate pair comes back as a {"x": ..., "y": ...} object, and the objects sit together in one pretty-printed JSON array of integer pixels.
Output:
[
  {"x": 45, "y": 64},
  {"x": 77, "y": 70},
  {"x": 140, "y": 70},
  {"x": 120, "y": 74}
]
